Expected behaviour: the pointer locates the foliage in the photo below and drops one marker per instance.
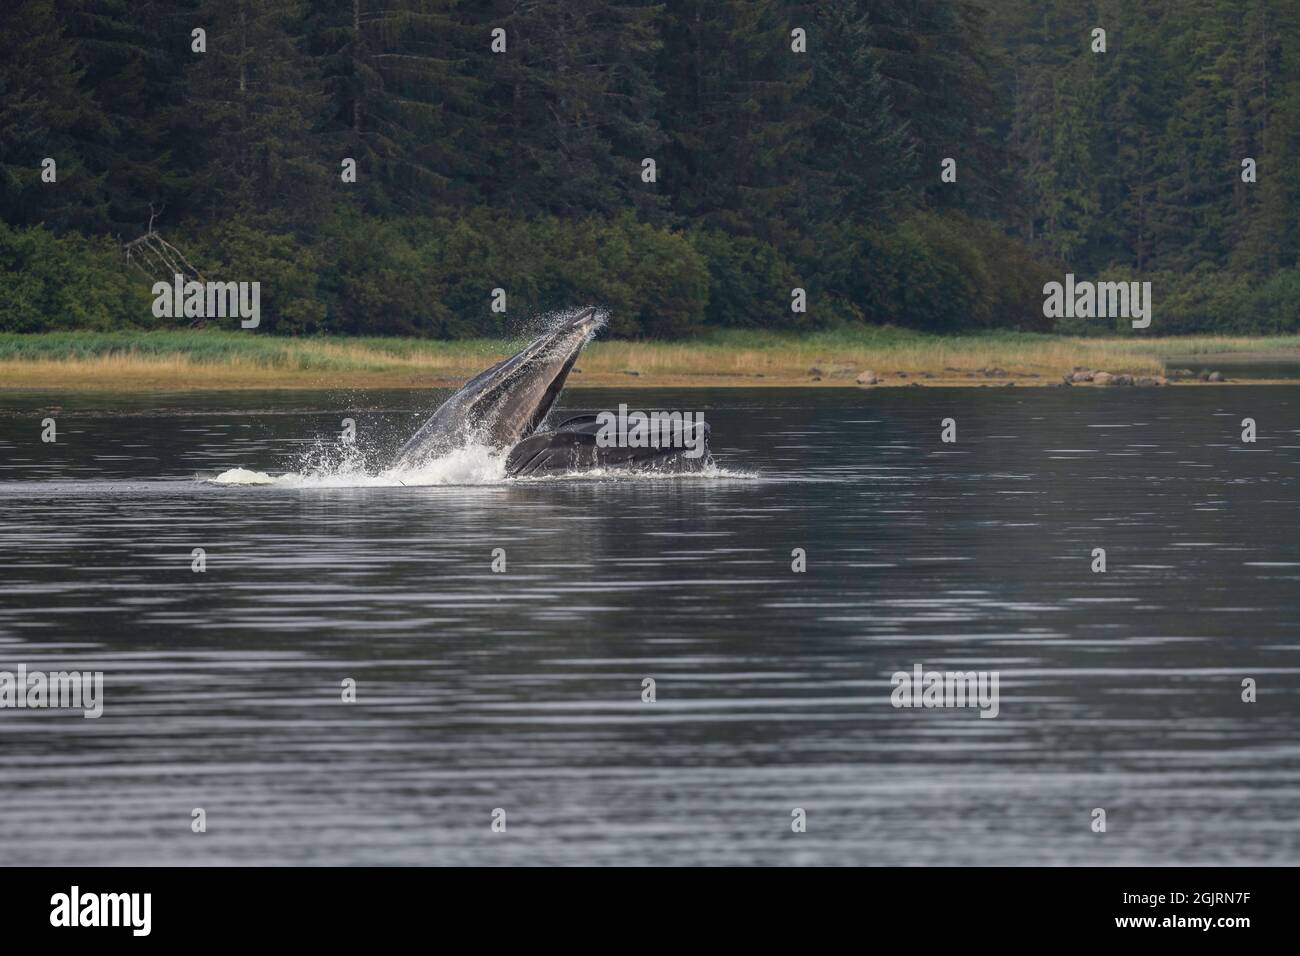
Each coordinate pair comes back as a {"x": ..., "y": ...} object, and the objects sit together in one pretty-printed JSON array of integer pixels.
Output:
[{"x": 774, "y": 169}]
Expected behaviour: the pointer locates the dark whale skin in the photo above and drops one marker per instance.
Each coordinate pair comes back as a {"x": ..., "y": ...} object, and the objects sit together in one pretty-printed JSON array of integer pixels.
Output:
[
  {"x": 507, "y": 402},
  {"x": 571, "y": 446}
]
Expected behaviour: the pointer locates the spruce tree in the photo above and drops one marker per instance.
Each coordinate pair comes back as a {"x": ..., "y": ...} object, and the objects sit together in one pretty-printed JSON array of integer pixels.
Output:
[
  {"x": 403, "y": 101},
  {"x": 254, "y": 106},
  {"x": 42, "y": 106},
  {"x": 130, "y": 55}
]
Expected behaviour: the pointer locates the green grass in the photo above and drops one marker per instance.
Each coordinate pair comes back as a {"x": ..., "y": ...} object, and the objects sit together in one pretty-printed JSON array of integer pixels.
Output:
[
  {"x": 212, "y": 347},
  {"x": 275, "y": 352},
  {"x": 210, "y": 358}
]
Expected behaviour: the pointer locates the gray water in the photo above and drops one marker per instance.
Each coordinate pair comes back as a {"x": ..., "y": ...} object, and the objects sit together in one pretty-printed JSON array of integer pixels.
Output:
[{"x": 522, "y": 690}]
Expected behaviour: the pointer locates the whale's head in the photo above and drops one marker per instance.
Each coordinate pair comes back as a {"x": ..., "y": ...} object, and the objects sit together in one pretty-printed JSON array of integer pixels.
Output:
[{"x": 506, "y": 403}]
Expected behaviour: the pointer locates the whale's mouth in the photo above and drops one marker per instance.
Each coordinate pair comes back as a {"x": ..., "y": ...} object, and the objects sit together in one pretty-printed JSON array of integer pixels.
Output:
[
  {"x": 509, "y": 401},
  {"x": 551, "y": 394},
  {"x": 490, "y": 430}
]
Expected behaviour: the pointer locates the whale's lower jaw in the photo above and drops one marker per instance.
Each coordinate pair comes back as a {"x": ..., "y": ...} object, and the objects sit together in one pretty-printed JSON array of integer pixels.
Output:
[
  {"x": 509, "y": 401},
  {"x": 573, "y": 446},
  {"x": 503, "y": 407}
]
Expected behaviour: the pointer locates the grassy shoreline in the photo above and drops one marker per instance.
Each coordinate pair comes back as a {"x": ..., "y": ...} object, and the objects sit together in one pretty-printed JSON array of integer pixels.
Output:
[{"x": 182, "y": 360}]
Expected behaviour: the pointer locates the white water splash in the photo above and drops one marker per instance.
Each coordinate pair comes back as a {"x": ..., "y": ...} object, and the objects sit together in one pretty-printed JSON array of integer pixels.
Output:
[
  {"x": 471, "y": 465},
  {"x": 242, "y": 476}
]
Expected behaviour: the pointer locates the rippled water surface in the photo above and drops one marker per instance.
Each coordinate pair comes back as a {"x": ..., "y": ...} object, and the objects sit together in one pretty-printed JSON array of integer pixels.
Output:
[{"x": 522, "y": 690}]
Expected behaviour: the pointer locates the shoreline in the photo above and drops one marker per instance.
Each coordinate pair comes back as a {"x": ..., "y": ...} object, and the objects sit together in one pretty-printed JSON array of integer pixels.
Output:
[
  {"x": 876, "y": 357},
  {"x": 166, "y": 384}
]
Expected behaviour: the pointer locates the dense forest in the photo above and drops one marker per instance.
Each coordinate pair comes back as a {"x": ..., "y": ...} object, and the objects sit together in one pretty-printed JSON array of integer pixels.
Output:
[{"x": 685, "y": 164}]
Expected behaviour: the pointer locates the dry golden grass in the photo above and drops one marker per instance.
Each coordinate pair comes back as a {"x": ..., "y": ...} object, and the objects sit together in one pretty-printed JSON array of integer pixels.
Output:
[
  {"x": 734, "y": 359},
  {"x": 942, "y": 360},
  {"x": 131, "y": 372}
]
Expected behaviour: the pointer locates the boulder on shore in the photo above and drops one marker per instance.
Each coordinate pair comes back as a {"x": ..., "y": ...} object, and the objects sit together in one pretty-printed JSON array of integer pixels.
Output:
[
  {"x": 868, "y": 378},
  {"x": 1101, "y": 378}
]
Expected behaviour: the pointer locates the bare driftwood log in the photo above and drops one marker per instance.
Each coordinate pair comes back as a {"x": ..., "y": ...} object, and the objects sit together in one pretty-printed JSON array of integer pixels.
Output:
[
  {"x": 159, "y": 259},
  {"x": 151, "y": 254}
]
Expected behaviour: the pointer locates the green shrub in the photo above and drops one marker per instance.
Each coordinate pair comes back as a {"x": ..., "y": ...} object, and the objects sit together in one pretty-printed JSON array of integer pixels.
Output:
[
  {"x": 651, "y": 279},
  {"x": 1205, "y": 300},
  {"x": 49, "y": 283},
  {"x": 936, "y": 273},
  {"x": 749, "y": 283},
  {"x": 433, "y": 277},
  {"x": 288, "y": 270}
]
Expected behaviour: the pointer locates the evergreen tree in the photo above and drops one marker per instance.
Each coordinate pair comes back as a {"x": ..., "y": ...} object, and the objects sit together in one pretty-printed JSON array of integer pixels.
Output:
[
  {"x": 774, "y": 167},
  {"x": 254, "y": 104},
  {"x": 42, "y": 106},
  {"x": 737, "y": 120},
  {"x": 403, "y": 101},
  {"x": 1266, "y": 127},
  {"x": 860, "y": 159},
  {"x": 570, "y": 106},
  {"x": 130, "y": 54},
  {"x": 936, "y": 64},
  {"x": 1070, "y": 204}
]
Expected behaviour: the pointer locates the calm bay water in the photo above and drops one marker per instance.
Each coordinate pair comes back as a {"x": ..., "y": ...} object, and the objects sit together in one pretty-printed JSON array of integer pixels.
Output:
[{"x": 522, "y": 690}]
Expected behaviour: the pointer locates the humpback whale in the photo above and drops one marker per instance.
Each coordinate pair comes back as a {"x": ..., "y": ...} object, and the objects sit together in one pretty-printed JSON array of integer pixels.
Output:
[{"x": 505, "y": 406}]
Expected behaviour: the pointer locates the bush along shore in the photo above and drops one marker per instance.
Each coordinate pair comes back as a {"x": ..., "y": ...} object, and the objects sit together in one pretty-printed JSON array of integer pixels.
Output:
[
  {"x": 862, "y": 358},
  {"x": 388, "y": 173}
]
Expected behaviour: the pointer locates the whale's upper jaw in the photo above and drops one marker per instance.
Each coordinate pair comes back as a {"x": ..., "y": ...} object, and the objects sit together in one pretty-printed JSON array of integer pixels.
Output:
[{"x": 509, "y": 401}]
